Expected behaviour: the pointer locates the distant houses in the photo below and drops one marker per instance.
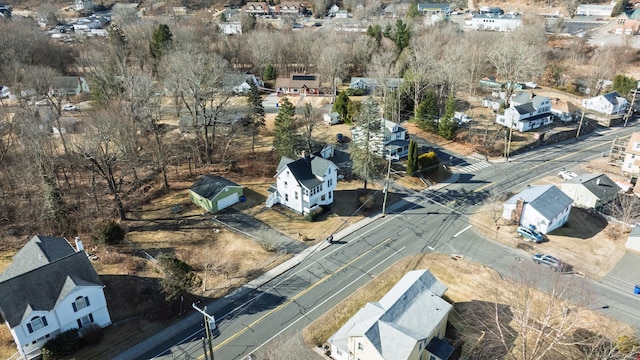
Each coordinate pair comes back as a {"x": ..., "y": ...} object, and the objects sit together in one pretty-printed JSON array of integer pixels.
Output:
[{"x": 494, "y": 22}]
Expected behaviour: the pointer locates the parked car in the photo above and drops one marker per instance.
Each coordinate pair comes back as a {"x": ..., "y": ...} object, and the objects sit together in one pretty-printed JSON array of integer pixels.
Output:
[
  {"x": 551, "y": 261},
  {"x": 69, "y": 107},
  {"x": 566, "y": 175},
  {"x": 339, "y": 138},
  {"x": 530, "y": 234}
]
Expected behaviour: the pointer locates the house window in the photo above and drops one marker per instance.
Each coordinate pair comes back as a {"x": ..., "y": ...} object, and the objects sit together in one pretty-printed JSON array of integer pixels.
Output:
[
  {"x": 285, "y": 184},
  {"x": 296, "y": 195},
  {"x": 431, "y": 357},
  {"x": 80, "y": 303},
  {"x": 360, "y": 347},
  {"x": 636, "y": 146},
  {"x": 286, "y": 197},
  {"x": 85, "y": 320},
  {"x": 323, "y": 198},
  {"x": 329, "y": 195},
  {"x": 37, "y": 323}
]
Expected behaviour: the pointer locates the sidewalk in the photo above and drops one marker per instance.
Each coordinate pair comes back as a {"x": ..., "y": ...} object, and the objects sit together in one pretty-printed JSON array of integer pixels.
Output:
[{"x": 213, "y": 308}]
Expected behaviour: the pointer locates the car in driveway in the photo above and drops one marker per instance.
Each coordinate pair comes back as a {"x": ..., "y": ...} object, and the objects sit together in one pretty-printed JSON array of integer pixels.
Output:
[
  {"x": 69, "y": 107},
  {"x": 530, "y": 234},
  {"x": 340, "y": 138},
  {"x": 551, "y": 261}
]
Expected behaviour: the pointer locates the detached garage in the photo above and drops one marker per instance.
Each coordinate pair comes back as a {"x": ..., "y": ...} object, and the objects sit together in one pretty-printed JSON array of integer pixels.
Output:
[{"x": 214, "y": 193}]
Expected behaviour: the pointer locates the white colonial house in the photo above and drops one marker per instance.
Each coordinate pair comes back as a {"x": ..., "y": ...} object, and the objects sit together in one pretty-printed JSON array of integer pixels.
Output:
[
  {"x": 609, "y": 104},
  {"x": 305, "y": 184},
  {"x": 409, "y": 322},
  {"x": 495, "y": 22},
  {"x": 526, "y": 112},
  {"x": 50, "y": 288},
  {"x": 631, "y": 163},
  {"x": 371, "y": 84},
  {"x": 391, "y": 141},
  {"x": 543, "y": 207}
]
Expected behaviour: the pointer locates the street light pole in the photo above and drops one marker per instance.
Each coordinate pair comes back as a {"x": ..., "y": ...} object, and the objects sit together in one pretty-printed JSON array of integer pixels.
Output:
[
  {"x": 209, "y": 326},
  {"x": 386, "y": 188},
  {"x": 580, "y": 125}
]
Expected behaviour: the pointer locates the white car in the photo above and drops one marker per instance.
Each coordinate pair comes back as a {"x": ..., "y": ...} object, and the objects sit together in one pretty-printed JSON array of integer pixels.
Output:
[
  {"x": 69, "y": 107},
  {"x": 566, "y": 175}
]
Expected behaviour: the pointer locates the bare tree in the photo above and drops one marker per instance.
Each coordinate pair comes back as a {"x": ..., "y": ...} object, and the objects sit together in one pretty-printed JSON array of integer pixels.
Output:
[
  {"x": 332, "y": 65},
  {"x": 309, "y": 119},
  {"x": 474, "y": 61},
  {"x": 383, "y": 68},
  {"x": 604, "y": 63}
]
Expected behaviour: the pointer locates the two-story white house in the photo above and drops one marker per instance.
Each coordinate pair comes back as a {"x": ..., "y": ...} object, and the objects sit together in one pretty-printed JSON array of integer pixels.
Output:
[
  {"x": 409, "y": 322},
  {"x": 305, "y": 184},
  {"x": 610, "y": 104},
  {"x": 631, "y": 163},
  {"x": 391, "y": 141},
  {"x": 50, "y": 288},
  {"x": 527, "y": 111},
  {"x": 544, "y": 207}
]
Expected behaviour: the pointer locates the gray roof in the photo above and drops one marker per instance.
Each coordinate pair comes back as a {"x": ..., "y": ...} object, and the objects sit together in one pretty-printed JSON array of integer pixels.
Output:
[
  {"x": 525, "y": 108},
  {"x": 521, "y": 97},
  {"x": 599, "y": 185},
  {"x": 373, "y": 82},
  {"x": 307, "y": 170},
  {"x": 548, "y": 200},
  {"x": 209, "y": 186},
  {"x": 52, "y": 269},
  {"x": 423, "y": 6},
  {"x": 411, "y": 311},
  {"x": 612, "y": 97}
]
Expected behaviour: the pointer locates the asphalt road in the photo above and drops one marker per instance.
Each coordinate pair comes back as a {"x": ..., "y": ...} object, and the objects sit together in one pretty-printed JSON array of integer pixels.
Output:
[{"x": 435, "y": 221}]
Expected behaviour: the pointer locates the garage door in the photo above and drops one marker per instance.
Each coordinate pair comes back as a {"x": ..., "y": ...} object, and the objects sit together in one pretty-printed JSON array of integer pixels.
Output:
[{"x": 228, "y": 201}]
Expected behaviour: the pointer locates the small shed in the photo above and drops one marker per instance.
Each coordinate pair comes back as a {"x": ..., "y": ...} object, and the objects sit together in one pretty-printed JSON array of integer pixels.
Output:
[
  {"x": 214, "y": 193},
  {"x": 633, "y": 242},
  {"x": 331, "y": 118}
]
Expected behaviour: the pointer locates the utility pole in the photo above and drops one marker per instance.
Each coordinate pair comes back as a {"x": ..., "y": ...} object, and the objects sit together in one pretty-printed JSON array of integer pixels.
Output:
[
  {"x": 630, "y": 110},
  {"x": 580, "y": 125},
  {"x": 209, "y": 326},
  {"x": 386, "y": 188}
]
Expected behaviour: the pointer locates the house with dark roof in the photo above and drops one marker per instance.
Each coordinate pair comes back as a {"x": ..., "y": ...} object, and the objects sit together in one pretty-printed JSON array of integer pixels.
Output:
[
  {"x": 214, "y": 193},
  {"x": 298, "y": 84},
  {"x": 409, "y": 322},
  {"x": 305, "y": 184},
  {"x": 390, "y": 142},
  {"x": 49, "y": 288},
  {"x": 610, "y": 104},
  {"x": 527, "y": 111},
  {"x": 627, "y": 23},
  {"x": 543, "y": 207},
  {"x": 591, "y": 191}
]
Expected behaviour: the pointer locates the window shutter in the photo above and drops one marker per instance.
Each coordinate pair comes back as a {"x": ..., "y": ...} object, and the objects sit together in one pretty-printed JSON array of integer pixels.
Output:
[
  {"x": 75, "y": 308},
  {"x": 44, "y": 320},
  {"x": 91, "y": 317},
  {"x": 86, "y": 300},
  {"x": 29, "y": 328},
  {"x": 79, "y": 323}
]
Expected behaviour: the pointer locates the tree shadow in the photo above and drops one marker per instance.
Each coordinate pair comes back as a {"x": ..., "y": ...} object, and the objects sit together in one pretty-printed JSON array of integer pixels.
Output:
[
  {"x": 482, "y": 334},
  {"x": 468, "y": 179}
]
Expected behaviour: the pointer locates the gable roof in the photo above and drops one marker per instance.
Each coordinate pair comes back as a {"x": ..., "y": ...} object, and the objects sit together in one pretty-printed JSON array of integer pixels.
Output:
[
  {"x": 613, "y": 98},
  {"x": 54, "y": 273},
  {"x": 310, "y": 81},
  {"x": 308, "y": 171},
  {"x": 631, "y": 14},
  {"x": 409, "y": 312},
  {"x": 209, "y": 186},
  {"x": 599, "y": 185},
  {"x": 372, "y": 82},
  {"x": 548, "y": 200}
]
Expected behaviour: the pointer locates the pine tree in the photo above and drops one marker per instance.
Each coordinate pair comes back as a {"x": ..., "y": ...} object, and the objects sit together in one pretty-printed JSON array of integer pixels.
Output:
[
  {"x": 256, "y": 116},
  {"x": 366, "y": 163},
  {"x": 428, "y": 112},
  {"x": 402, "y": 35},
  {"x": 412, "y": 158},
  {"x": 285, "y": 138},
  {"x": 269, "y": 73},
  {"x": 161, "y": 41},
  {"x": 341, "y": 106},
  {"x": 447, "y": 126}
]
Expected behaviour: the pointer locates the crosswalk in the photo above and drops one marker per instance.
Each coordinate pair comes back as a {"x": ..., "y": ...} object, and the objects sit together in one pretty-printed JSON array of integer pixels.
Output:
[{"x": 473, "y": 167}]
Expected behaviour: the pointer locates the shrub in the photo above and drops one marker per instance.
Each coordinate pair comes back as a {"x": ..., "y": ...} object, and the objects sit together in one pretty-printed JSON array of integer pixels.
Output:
[
  {"x": 109, "y": 233},
  {"x": 91, "y": 334},
  {"x": 313, "y": 215},
  {"x": 428, "y": 160},
  {"x": 62, "y": 345}
]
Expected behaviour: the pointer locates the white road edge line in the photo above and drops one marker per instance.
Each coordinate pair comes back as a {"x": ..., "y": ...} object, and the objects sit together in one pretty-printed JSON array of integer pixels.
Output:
[
  {"x": 329, "y": 298},
  {"x": 461, "y": 231}
]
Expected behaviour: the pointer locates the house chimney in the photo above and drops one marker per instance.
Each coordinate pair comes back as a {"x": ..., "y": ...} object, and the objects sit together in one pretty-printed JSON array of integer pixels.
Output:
[
  {"x": 79, "y": 246},
  {"x": 598, "y": 181}
]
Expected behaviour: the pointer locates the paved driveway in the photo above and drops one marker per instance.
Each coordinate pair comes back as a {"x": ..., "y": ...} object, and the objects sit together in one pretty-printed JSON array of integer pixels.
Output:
[
  {"x": 626, "y": 274},
  {"x": 257, "y": 230}
]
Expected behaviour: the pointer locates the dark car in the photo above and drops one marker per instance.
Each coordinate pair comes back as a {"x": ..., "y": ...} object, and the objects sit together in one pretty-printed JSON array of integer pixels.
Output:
[{"x": 339, "y": 138}]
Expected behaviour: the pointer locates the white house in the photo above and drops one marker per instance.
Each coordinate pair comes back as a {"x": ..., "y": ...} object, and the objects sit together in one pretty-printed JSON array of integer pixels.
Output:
[
  {"x": 526, "y": 112},
  {"x": 595, "y": 9},
  {"x": 230, "y": 27},
  {"x": 391, "y": 141},
  {"x": 305, "y": 184},
  {"x": 610, "y": 103},
  {"x": 545, "y": 207},
  {"x": 83, "y": 4},
  {"x": 369, "y": 84},
  {"x": 631, "y": 163},
  {"x": 50, "y": 288},
  {"x": 240, "y": 83},
  {"x": 494, "y": 22},
  {"x": 409, "y": 322},
  {"x": 591, "y": 191}
]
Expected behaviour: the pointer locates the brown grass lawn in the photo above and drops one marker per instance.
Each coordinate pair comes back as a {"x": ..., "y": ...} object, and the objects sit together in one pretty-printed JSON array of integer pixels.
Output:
[{"x": 466, "y": 281}]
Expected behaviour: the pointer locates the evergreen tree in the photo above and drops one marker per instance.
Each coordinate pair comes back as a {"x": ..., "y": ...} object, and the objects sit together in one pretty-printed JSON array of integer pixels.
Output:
[
  {"x": 353, "y": 111},
  {"x": 412, "y": 158},
  {"x": 428, "y": 112},
  {"x": 447, "y": 126},
  {"x": 285, "y": 139},
  {"x": 256, "y": 116},
  {"x": 413, "y": 12},
  {"x": 402, "y": 35},
  {"x": 388, "y": 31},
  {"x": 161, "y": 41},
  {"x": 367, "y": 164},
  {"x": 269, "y": 73},
  {"x": 341, "y": 106},
  {"x": 624, "y": 84},
  {"x": 375, "y": 31}
]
